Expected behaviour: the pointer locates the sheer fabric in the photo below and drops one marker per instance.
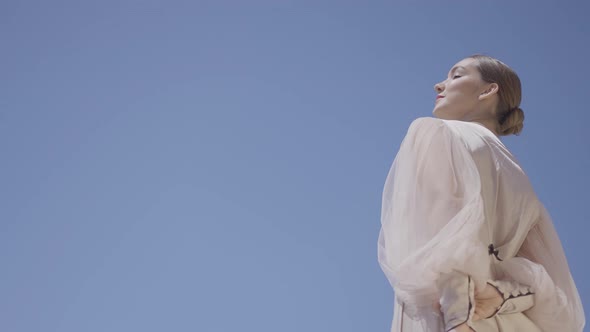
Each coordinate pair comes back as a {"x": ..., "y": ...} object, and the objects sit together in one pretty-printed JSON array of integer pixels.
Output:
[{"x": 452, "y": 191}]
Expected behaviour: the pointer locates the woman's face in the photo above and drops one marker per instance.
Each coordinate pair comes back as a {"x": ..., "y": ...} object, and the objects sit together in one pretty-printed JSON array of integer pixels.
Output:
[{"x": 465, "y": 94}]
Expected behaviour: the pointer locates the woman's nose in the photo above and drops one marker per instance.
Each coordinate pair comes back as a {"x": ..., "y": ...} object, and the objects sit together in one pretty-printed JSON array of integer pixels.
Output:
[{"x": 438, "y": 87}]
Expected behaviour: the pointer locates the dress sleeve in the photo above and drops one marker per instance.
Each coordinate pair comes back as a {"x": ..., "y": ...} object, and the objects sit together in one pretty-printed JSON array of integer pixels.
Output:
[
  {"x": 541, "y": 263},
  {"x": 431, "y": 217},
  {"x": 457, "y": 300}
]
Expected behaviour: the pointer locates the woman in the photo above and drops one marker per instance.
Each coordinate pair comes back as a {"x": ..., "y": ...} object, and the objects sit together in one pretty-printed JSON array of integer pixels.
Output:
[{"x": 464, "y": 241}]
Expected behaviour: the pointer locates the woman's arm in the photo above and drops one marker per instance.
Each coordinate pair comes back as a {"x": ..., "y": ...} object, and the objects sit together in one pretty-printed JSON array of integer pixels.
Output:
[{"x": 432, "y": 215}]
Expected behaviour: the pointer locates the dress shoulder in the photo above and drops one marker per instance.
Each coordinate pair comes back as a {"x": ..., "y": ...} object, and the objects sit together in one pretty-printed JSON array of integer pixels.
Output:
[
  {"x": 434, "y": 136},
  {"x": 425, "y": 123}
]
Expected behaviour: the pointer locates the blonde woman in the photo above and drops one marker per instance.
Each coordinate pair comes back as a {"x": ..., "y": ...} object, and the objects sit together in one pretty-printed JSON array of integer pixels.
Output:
[{"x": 464, "y": 241}]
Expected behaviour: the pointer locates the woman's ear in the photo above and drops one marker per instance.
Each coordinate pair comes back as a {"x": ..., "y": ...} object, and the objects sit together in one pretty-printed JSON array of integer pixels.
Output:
[{"x": 490, "y": 90}]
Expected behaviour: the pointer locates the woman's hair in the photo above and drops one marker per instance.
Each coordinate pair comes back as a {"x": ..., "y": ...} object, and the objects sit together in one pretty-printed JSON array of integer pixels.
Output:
[{"x": 510, "y": 115}]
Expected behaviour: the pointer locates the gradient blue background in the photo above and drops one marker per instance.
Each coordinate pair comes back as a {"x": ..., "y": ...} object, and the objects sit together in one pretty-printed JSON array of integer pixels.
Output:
[{"x": 218, "y": 166}]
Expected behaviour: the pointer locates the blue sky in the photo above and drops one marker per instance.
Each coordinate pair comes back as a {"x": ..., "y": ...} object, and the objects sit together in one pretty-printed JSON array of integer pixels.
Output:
[{"x": 216, "y": 166}]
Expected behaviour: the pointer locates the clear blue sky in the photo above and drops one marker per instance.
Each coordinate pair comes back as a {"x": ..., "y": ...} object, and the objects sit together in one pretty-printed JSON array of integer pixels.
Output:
[{"x": 218, "y": 166}]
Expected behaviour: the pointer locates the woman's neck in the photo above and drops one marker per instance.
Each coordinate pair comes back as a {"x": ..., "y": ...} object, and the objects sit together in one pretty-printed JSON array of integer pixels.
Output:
[{"x": 491, "y": 124}]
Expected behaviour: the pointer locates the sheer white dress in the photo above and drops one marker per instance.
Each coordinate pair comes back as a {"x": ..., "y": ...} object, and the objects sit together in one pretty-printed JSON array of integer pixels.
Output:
[{"x": 458, "y": 211}]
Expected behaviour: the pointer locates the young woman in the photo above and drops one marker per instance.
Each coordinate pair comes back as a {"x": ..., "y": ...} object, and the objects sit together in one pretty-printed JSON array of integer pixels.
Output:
[{"x": 464, "y": 241}]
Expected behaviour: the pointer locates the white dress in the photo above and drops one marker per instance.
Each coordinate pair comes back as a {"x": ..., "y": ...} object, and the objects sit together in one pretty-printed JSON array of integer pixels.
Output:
[{"x": 458, "y": 211}]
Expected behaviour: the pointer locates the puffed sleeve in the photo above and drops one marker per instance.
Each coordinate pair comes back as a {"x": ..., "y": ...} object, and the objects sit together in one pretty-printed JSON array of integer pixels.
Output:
[
  {"x": 431, "y": 217},
  {"x": 541, "y": 263}
]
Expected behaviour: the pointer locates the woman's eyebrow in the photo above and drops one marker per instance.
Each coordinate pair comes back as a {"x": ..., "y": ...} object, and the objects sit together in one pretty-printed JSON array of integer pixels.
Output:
[{"x": 454, "y": 68}]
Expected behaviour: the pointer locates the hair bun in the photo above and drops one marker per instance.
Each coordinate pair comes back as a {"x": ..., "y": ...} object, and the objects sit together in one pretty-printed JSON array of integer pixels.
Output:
[{"x": 513, "y": 122}]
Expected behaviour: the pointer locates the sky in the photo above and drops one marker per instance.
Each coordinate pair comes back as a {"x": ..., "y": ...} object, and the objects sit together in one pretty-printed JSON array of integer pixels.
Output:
[{"x": 217, "y": 166}]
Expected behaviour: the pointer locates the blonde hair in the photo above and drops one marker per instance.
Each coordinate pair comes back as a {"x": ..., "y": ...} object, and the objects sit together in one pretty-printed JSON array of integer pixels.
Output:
[{"x": 510, "y": 115}]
